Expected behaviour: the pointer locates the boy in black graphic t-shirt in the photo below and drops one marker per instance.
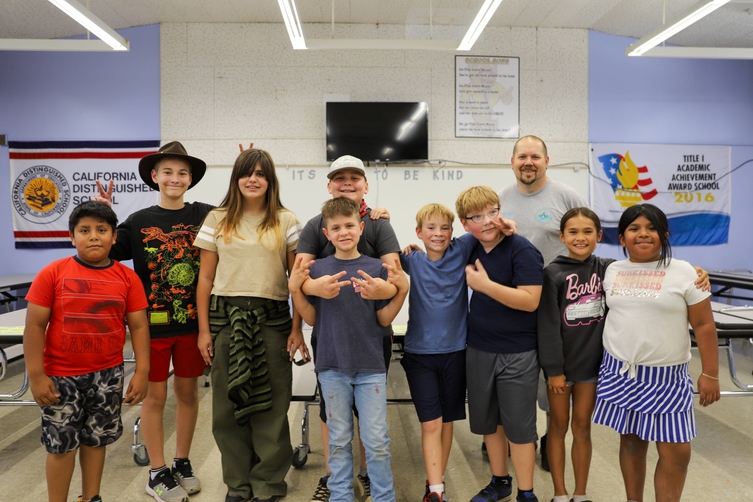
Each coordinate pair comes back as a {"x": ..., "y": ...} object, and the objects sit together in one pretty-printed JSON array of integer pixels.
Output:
[{"x": 158, "y": 240}]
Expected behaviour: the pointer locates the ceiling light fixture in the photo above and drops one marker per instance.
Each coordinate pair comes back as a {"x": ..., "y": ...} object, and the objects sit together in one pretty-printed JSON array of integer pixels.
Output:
[
  {"x": 82, "y": 16},
  {"x": 292, "y": 23},
  {"x": 485, "y": 13},
  {"x": 674, "y": 26}
]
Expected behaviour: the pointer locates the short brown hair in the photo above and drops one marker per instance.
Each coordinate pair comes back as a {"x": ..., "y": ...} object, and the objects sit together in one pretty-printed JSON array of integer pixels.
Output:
[
  {"x": 339, "y": 206},
  {"x": 474, "y": 199},
  {"x": 160, "y": 161},
  {"x": 430, "y": 210},
  {"x": 535, "y": 138}
]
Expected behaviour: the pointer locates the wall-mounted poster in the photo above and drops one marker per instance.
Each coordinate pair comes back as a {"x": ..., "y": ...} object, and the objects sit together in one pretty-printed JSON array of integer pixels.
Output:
[{"x": 487, "y": 97}]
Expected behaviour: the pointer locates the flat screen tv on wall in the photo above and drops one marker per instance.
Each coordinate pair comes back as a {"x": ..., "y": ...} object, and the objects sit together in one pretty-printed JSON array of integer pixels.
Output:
[{"x": 371, "y": 131}]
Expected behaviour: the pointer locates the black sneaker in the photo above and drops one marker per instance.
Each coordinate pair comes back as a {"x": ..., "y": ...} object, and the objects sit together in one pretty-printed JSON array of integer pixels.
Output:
[
  {"x": 321, "y": 494},
  {"x": 544, "y": 458},
  {"x": 433, "y": 497},
  {"x": 164, "y": 488},
  {"x": 185, "y": 477},
  {"x": 365, "y": 487},
  {"x": 494, "y": 492},
  {"x": 527, "y": 497}
]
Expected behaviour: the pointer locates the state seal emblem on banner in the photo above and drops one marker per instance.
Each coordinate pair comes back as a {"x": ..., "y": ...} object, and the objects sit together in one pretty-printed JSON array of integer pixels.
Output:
[{"x": 41, "y": 194}]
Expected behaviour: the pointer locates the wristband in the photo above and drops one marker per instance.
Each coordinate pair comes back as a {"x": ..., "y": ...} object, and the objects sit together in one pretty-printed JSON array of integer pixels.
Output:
[{"x": 709, "y": 376}]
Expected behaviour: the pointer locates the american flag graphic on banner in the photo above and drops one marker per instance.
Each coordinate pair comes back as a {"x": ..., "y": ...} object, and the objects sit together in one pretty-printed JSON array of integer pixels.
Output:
[
  {"x": 49, "y": 178},
  {"x": 630, "y": 183}
]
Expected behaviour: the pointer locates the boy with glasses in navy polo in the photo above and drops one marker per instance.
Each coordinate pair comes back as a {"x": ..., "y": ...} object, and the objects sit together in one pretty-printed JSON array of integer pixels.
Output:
[{"x": 502, "y": 368}]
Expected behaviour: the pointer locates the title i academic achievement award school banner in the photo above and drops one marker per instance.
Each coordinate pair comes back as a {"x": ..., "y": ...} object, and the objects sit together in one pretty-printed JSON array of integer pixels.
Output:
[
  {"x": 49, "y": 178},
  {"x": 690, "y": 183}
]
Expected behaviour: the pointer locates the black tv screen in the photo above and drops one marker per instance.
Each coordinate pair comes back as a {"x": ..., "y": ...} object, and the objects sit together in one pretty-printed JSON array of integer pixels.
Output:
[{"x": 378, "y": 131}]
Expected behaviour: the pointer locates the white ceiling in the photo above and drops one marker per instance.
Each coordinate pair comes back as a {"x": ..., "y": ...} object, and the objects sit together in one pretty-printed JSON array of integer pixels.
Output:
[{"x": 730, "y": 26}]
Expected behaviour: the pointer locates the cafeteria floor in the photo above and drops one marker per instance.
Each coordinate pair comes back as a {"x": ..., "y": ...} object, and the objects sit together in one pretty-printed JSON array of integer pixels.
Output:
[{"x": 720, "y": 468}]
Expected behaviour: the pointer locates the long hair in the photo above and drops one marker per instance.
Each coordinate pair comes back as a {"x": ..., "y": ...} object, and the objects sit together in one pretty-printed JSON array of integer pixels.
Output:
[
  {"x": 244, "y": 166},
  {"x": 657, "y": 218},
  {"x": 580, "y": 211}
]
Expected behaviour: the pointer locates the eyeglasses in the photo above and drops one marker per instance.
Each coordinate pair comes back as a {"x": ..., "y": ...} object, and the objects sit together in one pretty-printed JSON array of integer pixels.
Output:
[{"x": 478, "y": 218}]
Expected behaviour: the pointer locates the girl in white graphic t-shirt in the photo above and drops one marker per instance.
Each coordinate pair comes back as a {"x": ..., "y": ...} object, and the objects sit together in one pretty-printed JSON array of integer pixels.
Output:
[{"x": 644, "y": 390}]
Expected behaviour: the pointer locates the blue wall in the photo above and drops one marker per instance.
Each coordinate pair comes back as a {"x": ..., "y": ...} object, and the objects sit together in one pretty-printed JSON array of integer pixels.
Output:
[
  {"x": 678, "y": 101},
  {"x": 74, "y": 96}
]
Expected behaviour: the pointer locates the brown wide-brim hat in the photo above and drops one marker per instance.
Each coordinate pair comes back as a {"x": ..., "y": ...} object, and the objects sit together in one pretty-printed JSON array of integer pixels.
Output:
[{"x": 175, "y": 150}]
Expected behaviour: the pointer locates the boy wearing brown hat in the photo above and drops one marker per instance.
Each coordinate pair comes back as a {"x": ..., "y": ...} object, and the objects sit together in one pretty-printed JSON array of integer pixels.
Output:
[{"x": 158, "y": 240}]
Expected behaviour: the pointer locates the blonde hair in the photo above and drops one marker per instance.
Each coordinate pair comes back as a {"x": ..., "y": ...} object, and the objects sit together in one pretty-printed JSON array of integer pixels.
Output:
[
  {"x": 244, "y": 166},
  {"x": 433, "y": 209},
  {"x": 339, "y": 206},
  {"x": 475, "y": 199}
]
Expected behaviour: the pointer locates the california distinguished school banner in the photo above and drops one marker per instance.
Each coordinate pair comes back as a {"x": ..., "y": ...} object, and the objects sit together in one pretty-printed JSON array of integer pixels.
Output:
[
  {"x": 49, "y": 178},
  {"x": 690, "y": 183}
]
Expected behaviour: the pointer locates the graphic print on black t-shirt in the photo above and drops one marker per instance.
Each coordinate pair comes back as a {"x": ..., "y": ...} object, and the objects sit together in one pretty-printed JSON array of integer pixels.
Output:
[{"x": 174, "y": 264}]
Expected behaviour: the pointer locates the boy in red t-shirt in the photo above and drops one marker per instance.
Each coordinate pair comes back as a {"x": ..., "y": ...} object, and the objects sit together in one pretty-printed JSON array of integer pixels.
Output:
[{"x": 73, "y": 345}]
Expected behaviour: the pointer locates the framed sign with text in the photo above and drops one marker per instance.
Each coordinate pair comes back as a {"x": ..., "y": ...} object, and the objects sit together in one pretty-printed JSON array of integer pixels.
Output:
[{"x": 487, "y": 97}]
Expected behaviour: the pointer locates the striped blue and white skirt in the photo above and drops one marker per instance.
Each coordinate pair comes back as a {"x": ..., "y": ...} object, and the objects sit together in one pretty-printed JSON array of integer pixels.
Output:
[{"x": 653, "y": 402}]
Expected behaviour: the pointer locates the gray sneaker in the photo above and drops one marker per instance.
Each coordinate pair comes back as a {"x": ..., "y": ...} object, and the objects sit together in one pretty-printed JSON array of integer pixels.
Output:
[
  {"x": 164, "y": 488},
  {"x": 185, "y": 477}
]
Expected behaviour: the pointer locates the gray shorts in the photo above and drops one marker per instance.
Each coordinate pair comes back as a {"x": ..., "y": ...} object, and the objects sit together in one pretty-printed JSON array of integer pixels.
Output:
[
  {"x": 502, "y": 391},
  {"x": 542, "y": 397}
]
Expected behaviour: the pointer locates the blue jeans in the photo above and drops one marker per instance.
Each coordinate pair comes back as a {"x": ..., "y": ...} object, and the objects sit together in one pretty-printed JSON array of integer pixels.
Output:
[{"x": 369, "y": 392}]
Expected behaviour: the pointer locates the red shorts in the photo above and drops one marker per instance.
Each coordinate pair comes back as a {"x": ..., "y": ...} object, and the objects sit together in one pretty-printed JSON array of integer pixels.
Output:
[{"x": 184, "y": 352}]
